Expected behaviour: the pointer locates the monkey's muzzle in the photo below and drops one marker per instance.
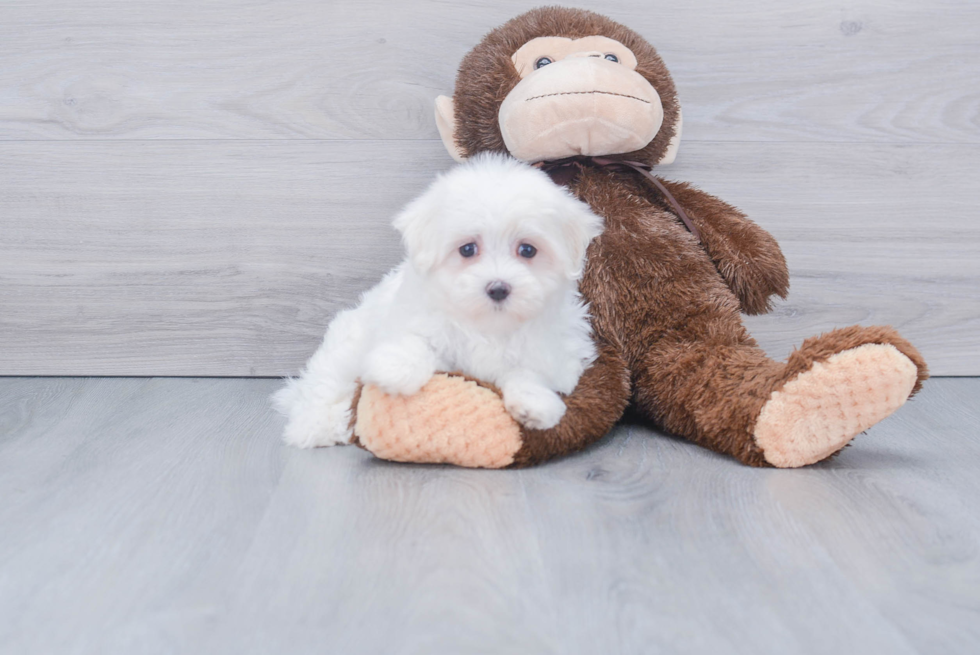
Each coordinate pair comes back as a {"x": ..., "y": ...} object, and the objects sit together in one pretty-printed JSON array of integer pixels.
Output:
[{"x": 580, "y": 106}]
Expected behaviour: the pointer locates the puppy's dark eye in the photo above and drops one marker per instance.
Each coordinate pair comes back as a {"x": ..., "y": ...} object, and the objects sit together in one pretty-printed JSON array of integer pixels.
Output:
[
  {"x": 468, "y": 250},
  {"x": 526, "y": 250},
  {"x": 542, "y": 62},
  {"x": 612, "y": 57}
]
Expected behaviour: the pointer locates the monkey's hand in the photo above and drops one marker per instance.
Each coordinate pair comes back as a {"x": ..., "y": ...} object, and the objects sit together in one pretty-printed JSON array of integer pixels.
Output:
[
  {"x": 451, "y": 420},
  {"x": 455, "y": 420},
  {"x": 748, "y": 257}
]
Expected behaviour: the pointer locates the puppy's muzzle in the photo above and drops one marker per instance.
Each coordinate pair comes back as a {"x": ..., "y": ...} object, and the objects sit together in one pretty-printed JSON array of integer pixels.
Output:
[{"x": 498, "y": 291}]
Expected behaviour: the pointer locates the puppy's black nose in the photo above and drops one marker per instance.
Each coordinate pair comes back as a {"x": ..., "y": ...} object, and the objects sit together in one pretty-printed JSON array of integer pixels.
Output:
[{"x": 498, "y": 291}]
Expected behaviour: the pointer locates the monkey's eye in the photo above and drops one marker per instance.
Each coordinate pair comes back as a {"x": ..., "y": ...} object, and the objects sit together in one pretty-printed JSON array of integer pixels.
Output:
[
  {"x": 467, "y": 250},
  {"x": 526, "y": 250},
  {"x": 612, "y": 57},
  {"x": 542, "y": 62}
]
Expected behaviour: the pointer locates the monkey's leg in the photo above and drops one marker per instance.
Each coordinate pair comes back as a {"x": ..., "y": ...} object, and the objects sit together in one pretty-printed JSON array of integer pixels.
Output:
[
  {"x": 459, "y": 421},
  {"x": 733, "y": 399}
]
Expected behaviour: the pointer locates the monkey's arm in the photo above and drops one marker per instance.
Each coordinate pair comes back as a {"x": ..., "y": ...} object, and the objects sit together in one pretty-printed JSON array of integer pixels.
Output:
[
  {"x": 454, "y": 420},
  {"x": 591, "y": 410},
  {"x": 748, "y": 257}
]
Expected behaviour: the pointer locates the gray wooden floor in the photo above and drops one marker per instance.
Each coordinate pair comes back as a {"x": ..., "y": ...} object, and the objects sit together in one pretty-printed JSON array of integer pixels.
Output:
[{"x": 163, "y": 516}]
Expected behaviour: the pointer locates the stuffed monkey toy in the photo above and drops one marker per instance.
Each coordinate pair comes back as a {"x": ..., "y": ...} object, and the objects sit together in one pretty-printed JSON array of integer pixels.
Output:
[{"x": 666, "y": 282}]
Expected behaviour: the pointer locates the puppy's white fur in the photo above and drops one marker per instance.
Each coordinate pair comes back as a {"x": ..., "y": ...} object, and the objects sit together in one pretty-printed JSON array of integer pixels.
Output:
[{"x": 433, "y": 312}]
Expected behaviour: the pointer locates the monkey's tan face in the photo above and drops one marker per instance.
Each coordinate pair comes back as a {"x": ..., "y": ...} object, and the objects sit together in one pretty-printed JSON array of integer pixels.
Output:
[{"x": 578, "y": 97}]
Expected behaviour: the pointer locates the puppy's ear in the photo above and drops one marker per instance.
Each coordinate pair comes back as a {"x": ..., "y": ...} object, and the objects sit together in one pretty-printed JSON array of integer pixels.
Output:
[
  {"x": 579, "y": 225},
  {"x": 420, "y": 235}
]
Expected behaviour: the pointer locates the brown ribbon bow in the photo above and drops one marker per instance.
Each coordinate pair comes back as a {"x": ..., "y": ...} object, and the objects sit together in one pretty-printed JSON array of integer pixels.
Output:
[{"x": 564, "y": 171}]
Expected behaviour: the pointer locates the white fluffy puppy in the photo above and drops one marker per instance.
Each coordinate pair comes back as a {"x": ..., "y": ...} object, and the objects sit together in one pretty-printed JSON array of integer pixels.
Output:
[{"x": 489, "y": 289}]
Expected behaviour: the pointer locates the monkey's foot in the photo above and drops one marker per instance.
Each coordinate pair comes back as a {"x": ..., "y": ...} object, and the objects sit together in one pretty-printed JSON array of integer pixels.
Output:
[
  {"x": 820, "y": 410},
  {"x": 452, "y": 420}
]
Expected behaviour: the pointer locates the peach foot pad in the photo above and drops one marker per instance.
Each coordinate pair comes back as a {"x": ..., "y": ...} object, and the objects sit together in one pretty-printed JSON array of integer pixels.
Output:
[
  {"x": 816, "y": 414},
  {"x": 452, "y": 420}
]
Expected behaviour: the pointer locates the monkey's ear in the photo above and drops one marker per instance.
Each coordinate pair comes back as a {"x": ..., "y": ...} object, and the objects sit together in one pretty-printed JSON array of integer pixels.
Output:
[
  {"x": 675, "y": 141},
  {"x": 446, "y": 122}
]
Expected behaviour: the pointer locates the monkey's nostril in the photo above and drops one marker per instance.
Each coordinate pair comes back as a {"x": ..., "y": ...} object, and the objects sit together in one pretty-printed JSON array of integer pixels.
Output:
[{"x": 498, "y": 291}]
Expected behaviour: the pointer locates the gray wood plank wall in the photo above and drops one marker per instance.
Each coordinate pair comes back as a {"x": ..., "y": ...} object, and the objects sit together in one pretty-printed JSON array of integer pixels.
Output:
[{"x": 195, "y": 188}]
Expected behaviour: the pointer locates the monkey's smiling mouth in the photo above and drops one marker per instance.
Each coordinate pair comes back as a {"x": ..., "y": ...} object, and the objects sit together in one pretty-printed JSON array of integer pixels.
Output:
[{"x": 582, "y": 93}]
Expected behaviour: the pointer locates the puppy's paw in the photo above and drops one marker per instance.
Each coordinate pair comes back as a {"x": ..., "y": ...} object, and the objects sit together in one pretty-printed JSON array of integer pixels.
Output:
[
  {"x": 533, "y": 406},
  {"x": 399, "y": 368},
  {"x": 313, "y": 422}
]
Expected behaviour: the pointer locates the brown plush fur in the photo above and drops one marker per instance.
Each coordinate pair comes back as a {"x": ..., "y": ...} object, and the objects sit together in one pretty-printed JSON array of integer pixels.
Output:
[
  {"x": 665, "y": 307},
  {"x": 670, "y": 304}
]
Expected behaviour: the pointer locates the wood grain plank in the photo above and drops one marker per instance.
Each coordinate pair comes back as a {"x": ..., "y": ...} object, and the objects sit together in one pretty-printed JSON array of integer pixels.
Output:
[
  {"x": 160, "y": 244},
  {"x": 928, "y": 518},
  {"x": 903, "y": 71},
  {"x": 229, "y": 258},
  {"x": 164, "y": 515},
  {"x": 711, "y": 553},
  {"x": 899, "y": 501},
  {"x": 121, "y": 496}
]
